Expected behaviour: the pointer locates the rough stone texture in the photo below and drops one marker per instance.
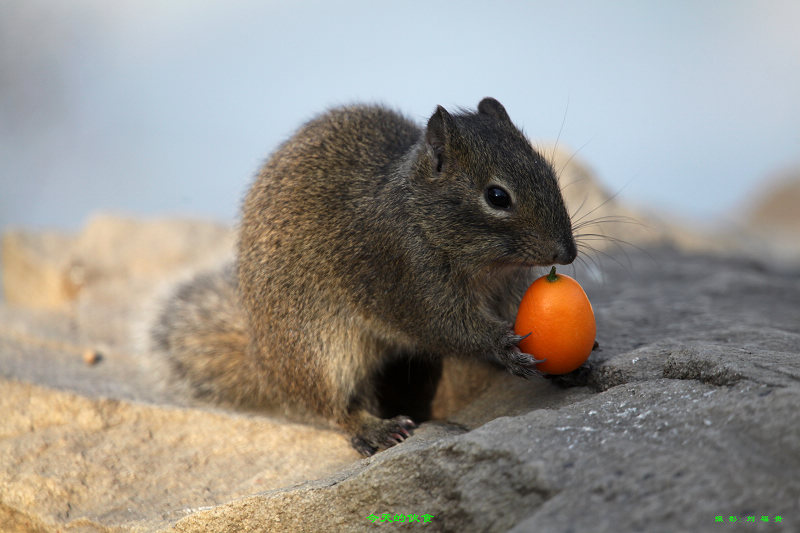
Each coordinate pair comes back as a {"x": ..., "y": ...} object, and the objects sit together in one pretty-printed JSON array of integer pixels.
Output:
[
  {"x": 49, "y": 270},
  {"x": 36, "y": 270},
  {"x": 688, "y": 411},
  {"x": 77, "y": 461}
]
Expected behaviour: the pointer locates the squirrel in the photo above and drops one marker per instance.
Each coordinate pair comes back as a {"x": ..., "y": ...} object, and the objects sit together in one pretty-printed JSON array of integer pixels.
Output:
[{"x": 370, "y": 249}]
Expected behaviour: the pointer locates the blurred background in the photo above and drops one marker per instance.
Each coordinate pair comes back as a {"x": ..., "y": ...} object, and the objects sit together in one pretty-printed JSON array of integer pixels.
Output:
[{"x": 151, "y": 107}]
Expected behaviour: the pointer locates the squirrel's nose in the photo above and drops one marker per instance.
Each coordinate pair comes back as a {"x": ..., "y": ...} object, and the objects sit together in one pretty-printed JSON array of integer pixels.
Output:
[{"x": 565, "y": 252}]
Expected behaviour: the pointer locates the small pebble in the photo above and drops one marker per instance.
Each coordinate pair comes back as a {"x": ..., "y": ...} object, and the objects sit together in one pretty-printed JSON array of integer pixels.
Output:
[{"x": 91, "y": 357}]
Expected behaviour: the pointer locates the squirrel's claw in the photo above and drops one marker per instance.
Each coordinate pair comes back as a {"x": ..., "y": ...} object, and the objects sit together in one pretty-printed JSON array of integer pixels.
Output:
[
  {"x": 383, "y": 434},
  {"x": 515, "y": 360},
  {"x": 519, "y": 338}
]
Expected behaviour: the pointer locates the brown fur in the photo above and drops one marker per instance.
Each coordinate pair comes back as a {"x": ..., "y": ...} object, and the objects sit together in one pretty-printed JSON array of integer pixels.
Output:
[{"x": 368, "y": 252}]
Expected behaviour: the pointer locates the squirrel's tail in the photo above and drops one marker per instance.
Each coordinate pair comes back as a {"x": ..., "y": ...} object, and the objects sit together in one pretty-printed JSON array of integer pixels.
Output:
[{"x": 202, "y": 334}]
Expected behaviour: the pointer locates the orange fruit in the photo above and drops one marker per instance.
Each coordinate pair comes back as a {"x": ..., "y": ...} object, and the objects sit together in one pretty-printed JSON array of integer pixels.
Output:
[{"x": 559, "y": 317}]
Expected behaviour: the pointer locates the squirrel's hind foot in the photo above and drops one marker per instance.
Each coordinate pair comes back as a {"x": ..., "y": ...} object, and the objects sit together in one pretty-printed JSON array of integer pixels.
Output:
[{"x": 379, "y": 434}]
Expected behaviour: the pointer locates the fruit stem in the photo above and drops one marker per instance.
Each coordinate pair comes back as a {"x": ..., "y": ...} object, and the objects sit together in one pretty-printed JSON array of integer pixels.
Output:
[{"x": 551, "y": 277}]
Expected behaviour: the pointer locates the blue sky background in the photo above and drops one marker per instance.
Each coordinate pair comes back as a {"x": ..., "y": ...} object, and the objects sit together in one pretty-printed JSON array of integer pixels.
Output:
[{"x": 153, "y": 107}]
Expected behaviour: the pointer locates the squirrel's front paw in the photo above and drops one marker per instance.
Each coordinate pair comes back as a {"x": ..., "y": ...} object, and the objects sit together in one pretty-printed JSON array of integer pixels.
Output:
[
  {"x": 515, "y": 360},
  {"x": 379, "y": 434}
]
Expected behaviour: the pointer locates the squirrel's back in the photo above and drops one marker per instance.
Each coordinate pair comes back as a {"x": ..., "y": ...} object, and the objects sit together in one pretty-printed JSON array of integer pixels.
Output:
[{"x": 317, "y": 226}]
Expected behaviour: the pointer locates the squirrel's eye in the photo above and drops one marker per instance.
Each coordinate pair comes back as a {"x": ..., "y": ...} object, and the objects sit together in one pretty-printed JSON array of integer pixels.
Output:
[{"x": 498, "y": 197}]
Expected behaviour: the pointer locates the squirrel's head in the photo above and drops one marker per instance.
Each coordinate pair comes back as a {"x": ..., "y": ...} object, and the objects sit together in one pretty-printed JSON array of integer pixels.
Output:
[{"x": 488, "y": 196}]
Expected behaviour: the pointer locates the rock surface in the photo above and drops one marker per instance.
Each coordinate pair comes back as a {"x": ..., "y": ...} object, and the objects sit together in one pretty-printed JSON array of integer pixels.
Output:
[{"x": 687, "y": 412}]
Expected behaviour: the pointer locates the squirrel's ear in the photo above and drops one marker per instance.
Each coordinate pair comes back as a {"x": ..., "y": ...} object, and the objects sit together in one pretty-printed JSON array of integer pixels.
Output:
[
  {"x": 493, "y": 108},
  {"x": 438, "y": 135}
]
